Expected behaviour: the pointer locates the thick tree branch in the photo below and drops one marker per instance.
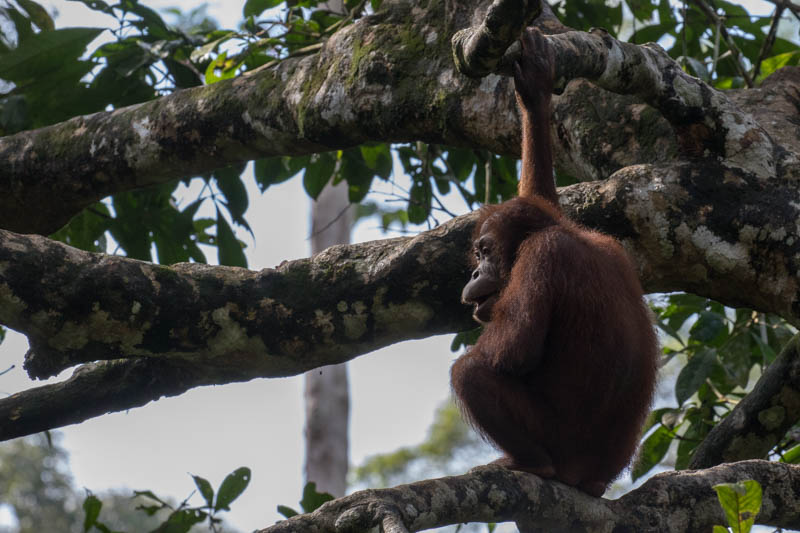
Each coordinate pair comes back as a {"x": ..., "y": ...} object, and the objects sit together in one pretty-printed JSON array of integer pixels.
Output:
[
  {"x": 761, "y": 419},
  {"x": 705, "y": 120},
  {"x": 371, "y": 81},
  {"x": 674, "y": 502},
  {"x": 477, "y": 51},
  {"x": 78, "y": 307},
  {"x": 212, "y": 324},
  {"x": 389, "y": 77},
  {"x": 720, "y": 225},
  {"x": 220, "y": 324}
]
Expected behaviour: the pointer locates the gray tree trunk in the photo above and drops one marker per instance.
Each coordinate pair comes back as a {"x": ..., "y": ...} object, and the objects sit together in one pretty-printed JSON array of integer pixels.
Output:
[{"x": 327, "y": 394}]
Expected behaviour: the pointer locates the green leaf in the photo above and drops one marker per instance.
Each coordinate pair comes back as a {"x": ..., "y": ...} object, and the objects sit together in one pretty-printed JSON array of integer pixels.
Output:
[
  {"x": 792, "y": 455},
  {"x": 149, "y": 510},
  {"x": 653, "y": 450},
  {"x": 720, "y": 529},
  {"x": 656, "y": 417},
  {"x": 205, "y": 489},
  {"x": 149, "y": 495},
  {"x": 710, "y": 328},
  {"x": 45, "y": 51},
  {"x": 199, "y": 53},
  {"x": 694, "y": 374},
  {"x": 91, "y": 507},
  {"x": 378, "y": 158},
  {"x": 86, "y": 230},
  {"x": 253, "y": 8},
  {"x": 274, "y": 170},
  {"x": 741, "y": 502},
  {"x": 229, "y": 181},
  {"x": 356, "y": 173},
  {"x": 318, "y": 173},
  {"x": 697, "y": 431},
  {"x": 461, "y": 162},
  {"x": 126, "y": 228},
  {"x": 312, "y": 499},
  {"x": 419, "y": 203},
  {"x": 181, "y": 521},
  {"x": 221, "y": 68},
  {"x": 96, "y": 5},
  {"x": 38, "y": 14},
  {"x": 231, "y": 488},
  {"x": 288, "y": 512},
  {"x": 736, "y": 358},
  {"x": 229, "y": 249},
  {"x": 465, "y": 338}
]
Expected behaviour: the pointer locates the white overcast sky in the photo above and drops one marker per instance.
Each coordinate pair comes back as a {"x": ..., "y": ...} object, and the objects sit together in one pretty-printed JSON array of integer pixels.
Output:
[{"x": 213, "y": 430}]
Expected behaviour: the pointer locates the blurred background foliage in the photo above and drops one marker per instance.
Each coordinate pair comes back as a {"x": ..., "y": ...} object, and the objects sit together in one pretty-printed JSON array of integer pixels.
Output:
[
  {"x": 50, "y": 74},
  {"x": 37, "y": 488}
]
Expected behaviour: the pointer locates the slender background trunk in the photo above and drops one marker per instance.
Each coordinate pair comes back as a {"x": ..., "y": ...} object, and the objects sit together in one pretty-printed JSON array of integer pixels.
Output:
[{"x": 327, "y": 394}]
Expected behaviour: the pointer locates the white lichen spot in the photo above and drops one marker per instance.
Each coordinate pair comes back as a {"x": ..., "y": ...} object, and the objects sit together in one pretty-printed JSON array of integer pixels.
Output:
[
  {"x": 280, "y": 311},
  {"x": 99, "y": 326},
  {"x": 94, "y": 147},
  {"x": 396, "y": 318},
  {"x": 484, "y": 105},
  {"x": 497, "y": 497},
  {"x": 142, "y": 128},
  {"x": 447, "y": 78},
  {"x": 610, "y": 75},
  {"x": 411, "y": 511},
  {"x": 293, "y": 347},
  {"x": 418, "y": 287},
  {"x": 231, "y": 335},
  {"x": 431, "y": 38},
  {"x": 323, "y": 321},
  {"x": 772, "y": 418},
  {"x": 341, "y": 306},
  {"x": 355, "y": 324},
  {"x": 721, "y": 255},
  {"x": 336, "y": 106},
  {"x": 10, "y": 302},
  {"x": 136, "y": 307},
  {"x": 150, "y": 274},
  {"x": 71, "y": 336},
  {"x": 643, "y": 208},
  {"x": 779, "y": 234},
  {"x": 258, "y": 126},
  {"x": 748, "y": 234},
  {"x": 442, "y": 498}
]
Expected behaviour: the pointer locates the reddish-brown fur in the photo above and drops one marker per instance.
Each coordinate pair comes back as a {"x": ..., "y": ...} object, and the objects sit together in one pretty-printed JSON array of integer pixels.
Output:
[{"x": 562, "y": 377}]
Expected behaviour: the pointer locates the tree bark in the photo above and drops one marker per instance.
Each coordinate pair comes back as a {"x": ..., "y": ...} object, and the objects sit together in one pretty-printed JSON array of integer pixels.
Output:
[
  {"x": 672, "y": 502},
  {"x": 711, "y": 210}
]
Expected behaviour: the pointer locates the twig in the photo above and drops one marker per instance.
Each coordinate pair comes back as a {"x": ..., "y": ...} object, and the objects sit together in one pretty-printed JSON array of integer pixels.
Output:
[
  {"x": 332, "y": 221},
  {"x": 737, "y": 54},
  {"x": 794, "y": 8},
  {"x": 769, "y": 41}
]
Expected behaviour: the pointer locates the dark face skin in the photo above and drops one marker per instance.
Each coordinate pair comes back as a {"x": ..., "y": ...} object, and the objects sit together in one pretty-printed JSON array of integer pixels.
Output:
[{"x": 484, "y": 286}]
